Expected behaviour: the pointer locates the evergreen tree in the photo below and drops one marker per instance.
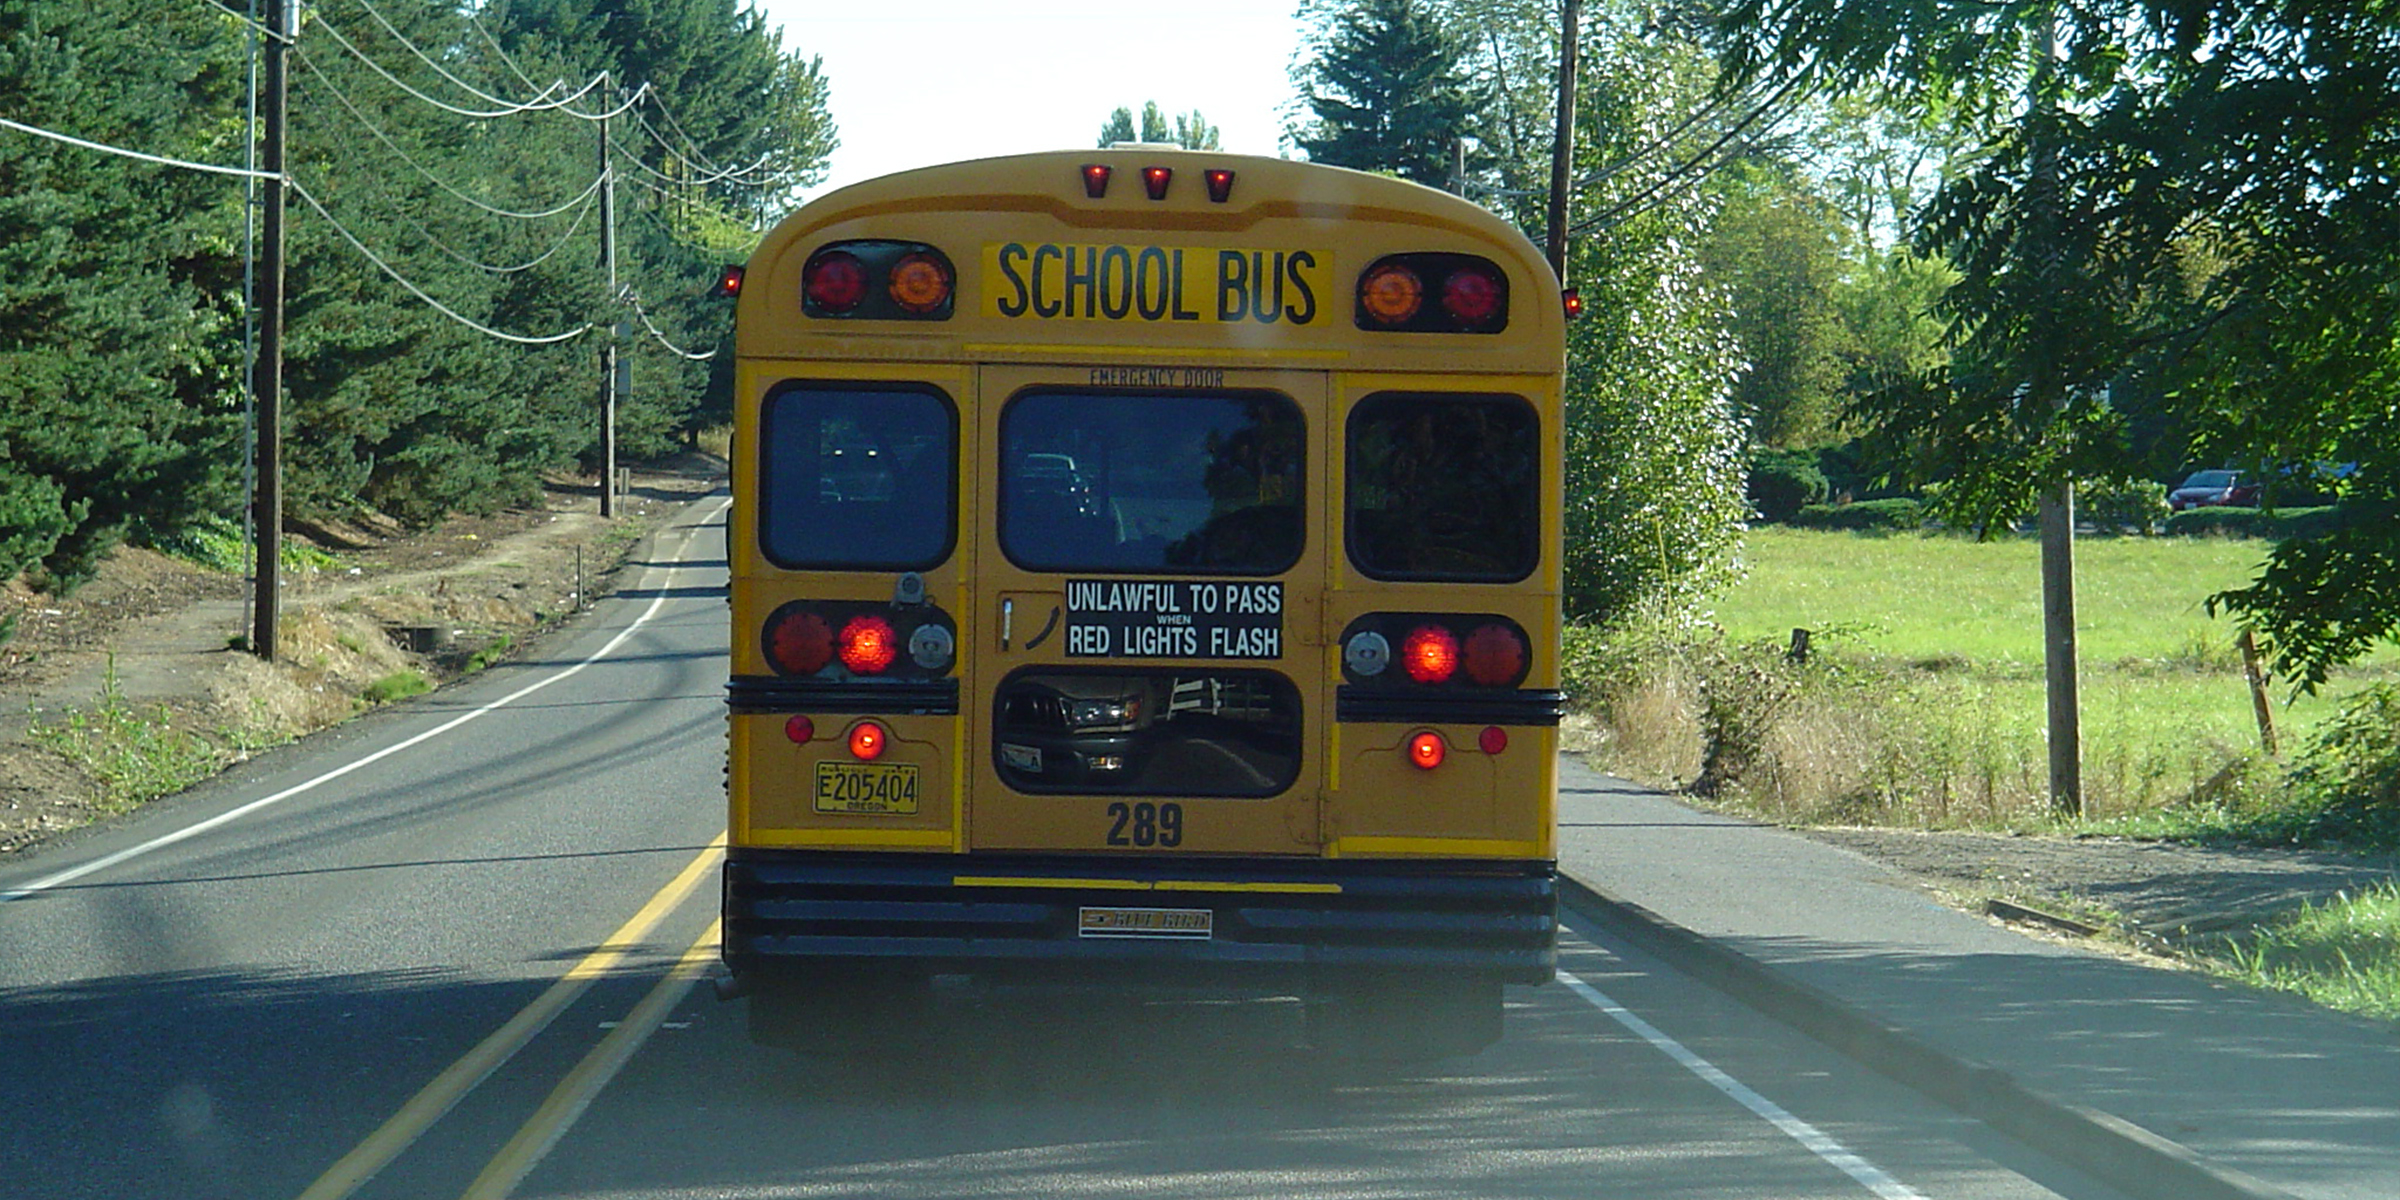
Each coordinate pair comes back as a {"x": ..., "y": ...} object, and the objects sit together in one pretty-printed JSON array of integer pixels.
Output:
[{"x": 1385, "y": 90}]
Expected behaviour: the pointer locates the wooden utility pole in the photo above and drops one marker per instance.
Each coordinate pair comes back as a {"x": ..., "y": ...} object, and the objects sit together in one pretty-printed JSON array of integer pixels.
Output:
[
  {"x": 1562, "y": 149},
  {"x": 266, "y": 370},
  {"x": 2059, "y": 664},
  {"x": 2058, "y": 650},
  {"x": 2260, "y": 706},
  {"x": 608, "y": 348}
]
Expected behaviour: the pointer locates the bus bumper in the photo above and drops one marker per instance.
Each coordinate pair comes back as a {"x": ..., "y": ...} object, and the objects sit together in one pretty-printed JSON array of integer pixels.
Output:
[{"x": 1270, "y": 924}]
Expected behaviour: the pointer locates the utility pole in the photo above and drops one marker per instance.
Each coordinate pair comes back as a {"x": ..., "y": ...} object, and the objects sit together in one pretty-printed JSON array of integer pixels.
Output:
[
  {"x": 266, "y": 369},
  {"x": 2057, "y": 507},
  {"x": 1562, "y": 149},
  {"x": 608, "y": 348}
]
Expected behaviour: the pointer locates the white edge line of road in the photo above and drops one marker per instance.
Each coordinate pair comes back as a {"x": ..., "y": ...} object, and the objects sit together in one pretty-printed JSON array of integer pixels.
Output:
[
  {"x": 1819, "y": 1143},
  {"x": 229, "y": 816}
]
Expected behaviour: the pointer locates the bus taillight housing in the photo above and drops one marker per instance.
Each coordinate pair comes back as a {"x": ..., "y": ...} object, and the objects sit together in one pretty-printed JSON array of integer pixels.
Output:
[
  {"x": 1445, "y": 651},
  {"x": 849, "y": 639},
  {"x": 878, "y": 279},
  {"x": 1431, "y": 292}
]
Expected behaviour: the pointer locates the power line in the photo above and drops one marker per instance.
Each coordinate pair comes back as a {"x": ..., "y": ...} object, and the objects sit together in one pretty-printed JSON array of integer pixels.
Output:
[
  {"x": 695, "y": 181},
  {"x": 560, "y": 103},
  {"x": 420, "y": 293},
  {"x": 478, "y": 264},
  {"x": 161, "y": 160},
  {"x": 438, "y": 69},
  {"x": 644, "y": 315},
  {"x": 422, "y": 169},
  {"x": 255, "y": 25}
]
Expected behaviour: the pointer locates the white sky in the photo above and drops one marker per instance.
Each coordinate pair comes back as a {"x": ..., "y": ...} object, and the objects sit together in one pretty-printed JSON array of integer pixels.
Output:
[{"x": 918, "y": 82}]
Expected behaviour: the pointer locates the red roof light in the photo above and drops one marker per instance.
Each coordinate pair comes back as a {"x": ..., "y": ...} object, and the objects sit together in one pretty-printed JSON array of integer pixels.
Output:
[
  {"x": 1220, "y": 184},
  {"x": 1154, "y": 181},
  {"x": 1095, "y": 181}
]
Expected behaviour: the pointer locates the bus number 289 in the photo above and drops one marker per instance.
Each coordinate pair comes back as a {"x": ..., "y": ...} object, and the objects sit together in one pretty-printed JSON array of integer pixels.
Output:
[{"x": 1145, "y": 824}]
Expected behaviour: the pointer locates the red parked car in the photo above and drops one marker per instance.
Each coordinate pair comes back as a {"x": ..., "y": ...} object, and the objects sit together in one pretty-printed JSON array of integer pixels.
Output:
[{"x": 2210, "y": 489}]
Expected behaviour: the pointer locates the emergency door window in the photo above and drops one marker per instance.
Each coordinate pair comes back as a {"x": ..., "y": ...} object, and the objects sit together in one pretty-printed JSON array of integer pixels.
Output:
[
  {"x": 1180, "y": 482},
  {"x": 857, "y": 478},
  {"x": 1444, "y": 488}
]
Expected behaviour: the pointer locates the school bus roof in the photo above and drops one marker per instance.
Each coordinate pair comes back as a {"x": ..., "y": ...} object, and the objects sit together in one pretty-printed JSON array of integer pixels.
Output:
[{"x": 1302, "y": 232}]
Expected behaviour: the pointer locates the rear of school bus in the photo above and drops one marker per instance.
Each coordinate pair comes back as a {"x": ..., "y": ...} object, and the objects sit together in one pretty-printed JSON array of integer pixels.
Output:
[{"x": 1145, "y": 571}]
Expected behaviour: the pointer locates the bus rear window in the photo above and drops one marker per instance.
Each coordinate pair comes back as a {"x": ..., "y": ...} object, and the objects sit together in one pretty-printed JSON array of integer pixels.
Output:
[
  {"x": 857, "y": 477},
  {"x": 1186, "y": 482},
  {"x": 1444, "y": 488}
]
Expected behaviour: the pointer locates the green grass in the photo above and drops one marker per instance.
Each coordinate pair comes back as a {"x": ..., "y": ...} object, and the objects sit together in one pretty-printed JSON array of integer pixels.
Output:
[
  {"x": 1925, "y": 705},
  {"x": 399, "y": 685},
  {"x": 2154, "y": 664},
  {"x": 2343, "y": 954},
  {"x": 133, "y": 757}
]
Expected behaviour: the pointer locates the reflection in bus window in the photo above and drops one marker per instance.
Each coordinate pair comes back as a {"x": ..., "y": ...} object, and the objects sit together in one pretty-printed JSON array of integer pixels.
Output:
[
  {"x": 1444, "y": 487},
  {"x": 856, "y": 477},
  {"x": 1203, "y": 483},
  {"x": 1160, "y": 732}
]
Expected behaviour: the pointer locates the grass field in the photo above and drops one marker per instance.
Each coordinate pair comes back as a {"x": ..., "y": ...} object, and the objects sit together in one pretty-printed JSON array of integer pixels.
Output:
[
  {"x": 1925, "y": 705},
  {"x": 2157, "y": 671}
]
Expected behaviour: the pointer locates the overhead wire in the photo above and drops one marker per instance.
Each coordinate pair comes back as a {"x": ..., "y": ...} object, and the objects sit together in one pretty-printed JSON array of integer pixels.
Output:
[
  {"x": 421, "y": 293},
  {"x": 559, "y": 104},
  {"x": 644, "y": 315},
  {"x": 1686, "y": 173},
  {"x": 422, "y": 169},
  {"x": 256, "y": 26},
  {"x": 697, "y": 180},
  {"x": 480, "y": 265},
  {"x": 438, "y": 69},
  {"x": 120, "y": 151}
]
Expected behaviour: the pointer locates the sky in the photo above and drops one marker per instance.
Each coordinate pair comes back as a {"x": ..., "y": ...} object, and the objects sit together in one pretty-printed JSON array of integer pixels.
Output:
[{"x": 919, "y": 82}]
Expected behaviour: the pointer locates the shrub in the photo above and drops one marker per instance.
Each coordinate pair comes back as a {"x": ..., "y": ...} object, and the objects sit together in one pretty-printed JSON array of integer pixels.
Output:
[
  {"x": 2278, "y": 525},
  {"x": 1898, "y": 514},
  {"x": 1784, "y": 481},
  {"x": 2113, "y": 504}
]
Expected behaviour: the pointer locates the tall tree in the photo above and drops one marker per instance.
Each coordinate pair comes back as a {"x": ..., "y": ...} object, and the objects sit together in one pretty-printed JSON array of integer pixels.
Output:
[
  {"x": 1385, "y": 88},
  {"x": 120, "y": 281},
  {"x": 1191, "y": 130},
  {"x": 2189, "y": 200}
]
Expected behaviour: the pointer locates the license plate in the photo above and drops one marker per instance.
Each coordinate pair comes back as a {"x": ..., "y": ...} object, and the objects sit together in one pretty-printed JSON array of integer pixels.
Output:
[
  {"x": 1197, "y": 924},
  {"x": 1022, "y": 758},
  {"x": 875, "y": 789}
]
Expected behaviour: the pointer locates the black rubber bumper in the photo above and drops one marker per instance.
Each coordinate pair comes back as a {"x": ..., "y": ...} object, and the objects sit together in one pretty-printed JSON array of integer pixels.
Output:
[{"x": 789, "y": 911}]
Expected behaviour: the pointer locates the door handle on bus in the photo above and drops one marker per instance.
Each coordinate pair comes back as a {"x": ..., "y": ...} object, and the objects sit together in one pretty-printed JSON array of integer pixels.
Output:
[{"x": 1008, "y": 614}]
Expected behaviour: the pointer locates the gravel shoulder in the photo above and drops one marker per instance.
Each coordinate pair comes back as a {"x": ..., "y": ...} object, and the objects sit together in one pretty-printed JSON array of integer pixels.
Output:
[
  {"x": 2163, "y": 892},
  {"x": 156, "y": 640}
]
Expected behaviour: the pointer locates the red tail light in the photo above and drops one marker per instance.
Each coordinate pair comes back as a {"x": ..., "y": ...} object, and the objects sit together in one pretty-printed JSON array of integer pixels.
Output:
[
  {"x": 835, "y": 282},
  {"x": 1426, "y": 750},
  {"x": 800, "y": 644},
  {"x": 1471, "y": 295},
  {"x": 1495, "y": 656},
  {"x": 868, "y": 645},
  {"x": 867, "y": 740},
  {"x": 729, "y": 281},
  {"x": 1430, "y": 654},
  {"x": 1573, "y": 300}
]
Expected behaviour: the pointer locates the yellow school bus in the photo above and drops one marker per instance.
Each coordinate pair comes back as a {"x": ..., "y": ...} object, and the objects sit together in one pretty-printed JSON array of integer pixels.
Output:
[{"x": 1145, "y": 571}]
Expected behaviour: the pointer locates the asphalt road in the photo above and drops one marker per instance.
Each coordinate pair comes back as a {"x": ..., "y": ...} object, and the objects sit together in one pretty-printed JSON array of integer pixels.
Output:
[{"x": 455, "y": 949}]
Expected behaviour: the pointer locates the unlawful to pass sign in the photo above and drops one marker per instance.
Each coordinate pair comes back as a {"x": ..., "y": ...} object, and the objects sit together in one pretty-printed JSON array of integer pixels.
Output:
[{"x": 1173, "y": 618}]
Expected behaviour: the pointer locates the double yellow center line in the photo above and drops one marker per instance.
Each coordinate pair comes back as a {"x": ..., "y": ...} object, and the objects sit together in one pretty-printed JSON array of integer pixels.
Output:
[{"x": 551, "y": 1120}]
